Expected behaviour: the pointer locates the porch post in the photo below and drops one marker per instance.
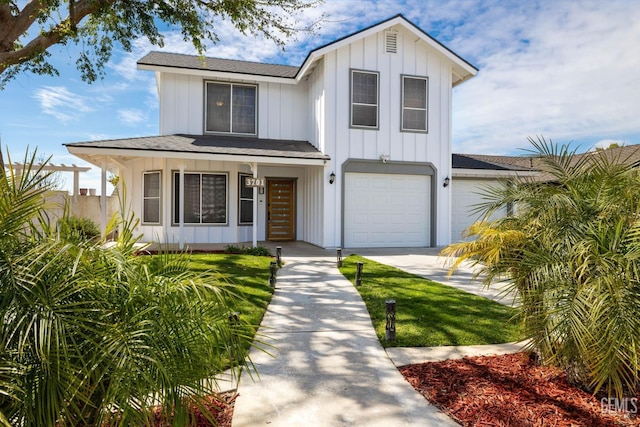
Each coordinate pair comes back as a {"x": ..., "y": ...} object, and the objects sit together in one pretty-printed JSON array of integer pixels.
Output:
[
  {"x": 103, "y": 199},
  {"x": 254, "y": 168},
  {"x": 76, "y": 183},
  {"x": 181, "y": 207}
]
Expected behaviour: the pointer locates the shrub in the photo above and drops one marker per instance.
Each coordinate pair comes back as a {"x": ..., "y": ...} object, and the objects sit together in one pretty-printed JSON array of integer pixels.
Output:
[
  {"x": 258, "y": 251},
  {"x": 94, "y": 336},
  {"x": 571, "y": 251},
  {"x": 254, "y": 250},
  {"x": 232, "y": 249},
  {"x": 77, "y": 229}
]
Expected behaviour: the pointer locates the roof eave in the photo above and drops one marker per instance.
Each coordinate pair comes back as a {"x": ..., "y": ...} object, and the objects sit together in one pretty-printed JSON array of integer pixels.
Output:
[
  {"x": 216, "y": 74},
  {"x": 87, "y": 153}
]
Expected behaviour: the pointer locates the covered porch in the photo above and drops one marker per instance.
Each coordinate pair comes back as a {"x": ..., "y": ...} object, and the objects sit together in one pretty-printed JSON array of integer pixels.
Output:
[{"x": 212, "y": 189}]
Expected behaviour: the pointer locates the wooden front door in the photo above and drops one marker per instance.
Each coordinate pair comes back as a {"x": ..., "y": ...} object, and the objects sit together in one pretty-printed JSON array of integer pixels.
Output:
[{"x": 280, "y": 209}]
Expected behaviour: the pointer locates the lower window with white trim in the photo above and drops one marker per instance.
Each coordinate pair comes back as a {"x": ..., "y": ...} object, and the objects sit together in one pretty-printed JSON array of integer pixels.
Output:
[
  {"x": 245, "y": 201},
  {"x": 205, "y": 198},
  {"x": 151, "y": 198}
]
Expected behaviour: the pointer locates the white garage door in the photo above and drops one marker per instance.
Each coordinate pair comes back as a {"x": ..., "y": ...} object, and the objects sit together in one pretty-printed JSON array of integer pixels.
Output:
[
  {"x": 464, "y": 197},
  {"x": 386, "y": 210}
]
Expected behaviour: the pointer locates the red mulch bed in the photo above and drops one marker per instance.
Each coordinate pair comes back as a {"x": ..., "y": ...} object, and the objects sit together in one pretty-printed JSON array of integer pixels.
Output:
[
  {"x": 511, "y": 390},
  {"x": 221, "y": 406}
]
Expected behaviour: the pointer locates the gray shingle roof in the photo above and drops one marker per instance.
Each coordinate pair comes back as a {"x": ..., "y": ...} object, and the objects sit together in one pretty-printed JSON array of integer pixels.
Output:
[
  {"x": 212, "y": 144},
  {"x": 489, "y": 162},
  {"x": 194, "y": 62}
]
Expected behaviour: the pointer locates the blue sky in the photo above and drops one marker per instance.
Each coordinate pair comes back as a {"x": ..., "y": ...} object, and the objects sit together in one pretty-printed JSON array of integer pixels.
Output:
[{"x": 567, "y": 70}]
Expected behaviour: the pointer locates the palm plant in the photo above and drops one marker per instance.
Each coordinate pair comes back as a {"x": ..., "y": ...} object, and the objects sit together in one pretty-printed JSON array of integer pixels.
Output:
[
  {"x": 571, "y": 252},
  {"x": 95, "y": 336}
]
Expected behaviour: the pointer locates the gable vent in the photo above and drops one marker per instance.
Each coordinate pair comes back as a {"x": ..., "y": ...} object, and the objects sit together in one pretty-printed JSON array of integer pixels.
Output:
[{"x": 390, "y": 42}]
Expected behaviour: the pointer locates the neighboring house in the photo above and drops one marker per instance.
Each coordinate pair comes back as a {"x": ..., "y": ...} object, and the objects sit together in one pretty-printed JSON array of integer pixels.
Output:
[
  {"x": 472, "y": 175},
  {"x": 354, "y": 146}
]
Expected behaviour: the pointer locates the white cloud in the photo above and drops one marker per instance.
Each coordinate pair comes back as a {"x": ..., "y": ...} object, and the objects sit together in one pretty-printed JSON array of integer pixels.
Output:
[
  {"x": 567, "y": 71},
  {"x": 61, "y": 103},
  {"x": 131, "y": 116}
]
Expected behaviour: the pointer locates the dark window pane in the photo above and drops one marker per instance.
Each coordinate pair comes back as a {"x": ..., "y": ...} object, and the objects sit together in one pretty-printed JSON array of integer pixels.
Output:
[
  {"x": 414, "y": 119},
  {"x": 218, "y": 107},
  {"x": 214, "y": 199},
  {"x": 152, "y": 184},
  {"x": 151, "y": 210},
  {"x": 176, "y": 197},
  {"x": 365, "y": 88},
  {"x": 191, "y": 198},
  {"x": 245, "y": 196},
  {"x": 244, "y": 109},
  {"x": 245, "y": 192},
  {"x": 246, "y": 211},
  {"x": 415, "y": 93},
  {"x": 364, "y": 115},
  {"x": 205, "y": 199}
]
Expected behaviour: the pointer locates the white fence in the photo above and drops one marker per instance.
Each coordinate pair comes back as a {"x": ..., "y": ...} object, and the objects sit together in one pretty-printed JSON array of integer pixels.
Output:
[{"x": 80, "y": 206}]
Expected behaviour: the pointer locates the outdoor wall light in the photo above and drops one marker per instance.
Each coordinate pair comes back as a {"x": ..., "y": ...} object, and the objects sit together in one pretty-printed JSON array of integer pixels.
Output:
[
  {"x": 219, "y": 103},
  {"x": 446, "y": 182},
  {"x": 332, "y": 178}
]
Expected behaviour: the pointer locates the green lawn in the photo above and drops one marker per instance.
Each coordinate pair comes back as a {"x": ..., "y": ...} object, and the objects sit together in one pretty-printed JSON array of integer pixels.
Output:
[
  {"x": 248, "y": 277},
  {"x": 428, "y": 313}
]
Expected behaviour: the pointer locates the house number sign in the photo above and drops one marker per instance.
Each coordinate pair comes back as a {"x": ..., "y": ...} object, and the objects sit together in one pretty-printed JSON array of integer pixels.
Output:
[{"x": 254, "y": 182}]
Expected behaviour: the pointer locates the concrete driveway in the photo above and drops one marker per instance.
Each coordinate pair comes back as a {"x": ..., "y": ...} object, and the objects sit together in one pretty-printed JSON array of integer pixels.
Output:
[{"x": 426, "y": 262}]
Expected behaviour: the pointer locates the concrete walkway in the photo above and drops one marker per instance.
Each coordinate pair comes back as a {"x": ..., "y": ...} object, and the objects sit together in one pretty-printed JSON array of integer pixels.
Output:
[{"x": 326, "y": 366}]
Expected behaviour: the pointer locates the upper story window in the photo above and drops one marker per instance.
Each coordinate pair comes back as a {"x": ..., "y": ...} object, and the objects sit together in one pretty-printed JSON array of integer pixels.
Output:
[
  {"x": 364, "y": 99},
  {"x": 414, "y": 103},
  {"x": 230, "y": 108}
]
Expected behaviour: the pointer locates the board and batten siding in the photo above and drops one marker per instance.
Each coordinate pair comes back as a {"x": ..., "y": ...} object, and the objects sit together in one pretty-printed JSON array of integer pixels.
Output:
[
  {"x": 316, "y": 110},
  {"x": 311, "y": 191},
  {"x": 340, "y": 142},
  {"x": 307, "y": 201},
  {"x": 282, "y": 108}
]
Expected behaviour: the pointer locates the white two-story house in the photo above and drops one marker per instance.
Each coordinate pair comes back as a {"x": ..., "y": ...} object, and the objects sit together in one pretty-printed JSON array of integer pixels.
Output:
[{"x": 351, "y": 149}]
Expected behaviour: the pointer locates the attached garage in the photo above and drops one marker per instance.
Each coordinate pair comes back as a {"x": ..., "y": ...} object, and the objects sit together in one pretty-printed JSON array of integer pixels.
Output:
[
  {"x": 465, "y": 196},
  {"x": 387, "y": 210},
  {"x": 471, "y": 174}
]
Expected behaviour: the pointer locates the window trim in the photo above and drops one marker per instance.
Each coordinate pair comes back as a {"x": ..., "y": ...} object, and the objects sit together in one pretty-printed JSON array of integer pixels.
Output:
[
  {"x": 144, "y": 173},
  {"x": 351, "y": 103},
  {"x": 175, "y": 221},
  {"x": 241, "y": 177},
  {"x": 231, "y": 132},
  {"x": 402, "y": 107}
]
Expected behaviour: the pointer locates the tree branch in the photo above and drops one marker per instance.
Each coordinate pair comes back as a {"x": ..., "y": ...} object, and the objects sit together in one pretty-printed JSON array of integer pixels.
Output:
[
  {"x": 19, "y": 24},
  {"x": 43, "y": 41},
  {"x": 5, "y": 12}
]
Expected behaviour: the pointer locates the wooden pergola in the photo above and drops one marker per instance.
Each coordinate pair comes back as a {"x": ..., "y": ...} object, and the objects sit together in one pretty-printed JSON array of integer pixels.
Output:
[{"x": 58, "y": 168}]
